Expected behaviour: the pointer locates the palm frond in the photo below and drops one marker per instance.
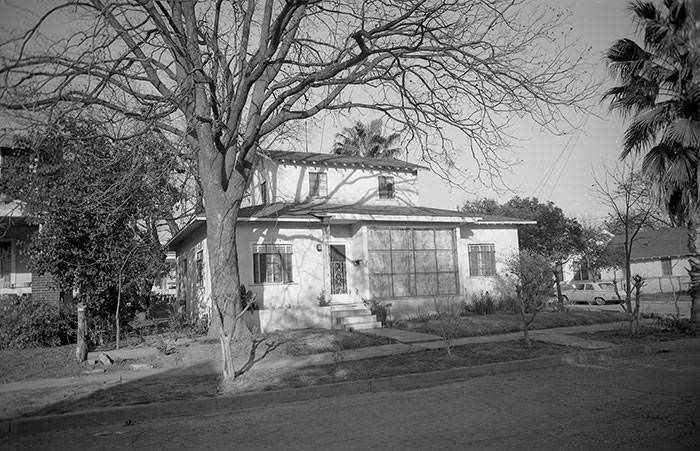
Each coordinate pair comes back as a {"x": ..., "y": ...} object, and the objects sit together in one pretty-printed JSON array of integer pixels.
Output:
[
  {"x": 644, "y": 10},
  {"x": 684, "y": 131},
  {"x": 646, "y": 127}
]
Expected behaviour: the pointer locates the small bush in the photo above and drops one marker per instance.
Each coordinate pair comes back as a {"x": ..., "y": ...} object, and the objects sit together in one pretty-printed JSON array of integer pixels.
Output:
[
  {"x": 379, "y": 310},
  {"x": 28, "y": 323},
  {"x": 323, "y": 299},
  {"x": 483, "y": 304},
  {"x": 507, "y": 304},
  {"x": 674, "y": 324}
]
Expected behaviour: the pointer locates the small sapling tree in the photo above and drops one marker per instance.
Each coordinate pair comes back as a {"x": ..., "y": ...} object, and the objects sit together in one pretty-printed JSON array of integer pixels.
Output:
[{"x": 533, "y": 279}]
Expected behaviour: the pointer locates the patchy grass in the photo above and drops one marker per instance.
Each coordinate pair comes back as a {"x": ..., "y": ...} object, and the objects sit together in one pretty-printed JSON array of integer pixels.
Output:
[
  {"x": 316, "y": 341},
  {"x": 647, "y": 334},
  {"x": 38, "y": 363},
  {"x": 417, "y": 362},
  {"x": 501, "y": 323}
]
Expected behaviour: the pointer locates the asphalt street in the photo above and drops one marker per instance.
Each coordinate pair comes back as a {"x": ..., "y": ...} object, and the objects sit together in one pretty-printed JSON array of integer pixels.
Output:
[{"x": 648, "y": 402}]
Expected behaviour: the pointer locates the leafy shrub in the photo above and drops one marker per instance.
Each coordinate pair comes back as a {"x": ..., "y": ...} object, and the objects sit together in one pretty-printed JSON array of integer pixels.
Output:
[
  {"x": 507, "y": 304},
  {"x": 323, "y": 299},
  {"x": 28, "y": 323},
  {"x": 380, "y": 310},
  {"x": 483, "y": 304},
  {"x": 673, "y": 323}
]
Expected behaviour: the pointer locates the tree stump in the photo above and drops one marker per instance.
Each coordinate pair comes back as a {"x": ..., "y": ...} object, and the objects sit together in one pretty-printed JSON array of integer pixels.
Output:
[{"x": 81, "y": 349}]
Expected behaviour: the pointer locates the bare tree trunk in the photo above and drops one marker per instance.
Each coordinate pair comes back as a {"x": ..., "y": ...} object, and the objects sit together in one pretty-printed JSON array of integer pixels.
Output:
[
  {"x": 81, "y": 348},
  {"x": 526, "y": 324},
  {"x": 119, "y": 301},
  {"x": 560, "y": 299},
  {"x": 222, "y": 202},
  {"x": 694, "y": 270}
]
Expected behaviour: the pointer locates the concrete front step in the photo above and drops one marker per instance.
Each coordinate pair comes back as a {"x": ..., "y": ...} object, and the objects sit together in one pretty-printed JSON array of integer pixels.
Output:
[
  {"x": 364, "y": 326},
  {"x": 356, "y": 319},
  {"x": 353, "y": 317}
]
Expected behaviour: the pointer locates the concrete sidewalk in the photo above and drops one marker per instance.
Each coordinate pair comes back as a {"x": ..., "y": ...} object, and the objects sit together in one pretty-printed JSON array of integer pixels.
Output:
[{"x": 407, "y": 342}]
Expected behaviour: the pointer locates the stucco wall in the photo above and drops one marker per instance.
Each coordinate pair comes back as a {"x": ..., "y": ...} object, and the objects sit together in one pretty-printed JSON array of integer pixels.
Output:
[
  {"x": 505, "y": 241},
  {"x": 288, "y": 183},
  {"x": 310, "y": 267},
  {"x": 652, "y": 273},
  {"x": 194, "y": 296}
]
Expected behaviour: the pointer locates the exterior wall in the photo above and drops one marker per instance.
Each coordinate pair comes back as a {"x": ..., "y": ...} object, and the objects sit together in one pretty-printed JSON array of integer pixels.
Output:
[
  {"x": 505, "y": 240},
  {"x": 288, "y": 183},
  {"x": 194, "y": 296},
  {"x": 295, "y": 304},
  {"x": 656, "y": 282}
]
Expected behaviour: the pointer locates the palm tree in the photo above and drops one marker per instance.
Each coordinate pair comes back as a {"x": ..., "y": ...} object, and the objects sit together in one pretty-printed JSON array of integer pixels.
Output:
[
  {"x": 366, "y": 141},
  {"x": 659, "y": 90}
]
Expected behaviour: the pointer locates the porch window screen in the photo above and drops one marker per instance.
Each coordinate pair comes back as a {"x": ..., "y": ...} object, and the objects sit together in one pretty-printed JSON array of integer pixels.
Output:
[
  {"x": 411, "y": 262},
  {"x": 482, "y": 260},
  {"x": 272, "y": 263}
]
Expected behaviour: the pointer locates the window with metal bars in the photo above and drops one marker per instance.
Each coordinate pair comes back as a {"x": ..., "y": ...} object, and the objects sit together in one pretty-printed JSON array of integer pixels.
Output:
[
  {"x": 318, "y": 184},
  {"x": 386, "y": 187},
  {"x": 272, "y": 263},
  {"x": 482, "y": 260}
]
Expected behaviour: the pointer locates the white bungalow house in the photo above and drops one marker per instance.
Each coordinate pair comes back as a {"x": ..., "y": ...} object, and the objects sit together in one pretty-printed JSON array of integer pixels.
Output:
[
  {"x": 660, "y": 256},
  {"x": 347, "y": 229}
]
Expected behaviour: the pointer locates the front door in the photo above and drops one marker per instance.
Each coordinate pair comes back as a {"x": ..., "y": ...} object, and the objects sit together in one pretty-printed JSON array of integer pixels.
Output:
[{"x": 339, "y": 283}]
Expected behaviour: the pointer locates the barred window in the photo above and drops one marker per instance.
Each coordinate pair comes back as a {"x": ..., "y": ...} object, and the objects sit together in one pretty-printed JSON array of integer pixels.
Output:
[
  {"x": 272, "y": 263},
  {"x": 386, "y": 187},
  {"x": 318, "y": 184},
  {"x": 482, "y": 260},
  {"x": 666, "y": 267}
]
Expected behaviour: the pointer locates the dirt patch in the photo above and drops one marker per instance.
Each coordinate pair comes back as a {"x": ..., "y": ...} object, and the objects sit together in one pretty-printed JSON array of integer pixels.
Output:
[
  {"x": 316, "y": 341},
  {"x": 647, "y": 334},
  {"x": 417, "y": 362},
  {"x": 500, "y": 323}
]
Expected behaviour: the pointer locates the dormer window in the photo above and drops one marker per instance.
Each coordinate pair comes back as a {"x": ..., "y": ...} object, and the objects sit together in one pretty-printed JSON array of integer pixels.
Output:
[
  {"x": 386, "y": 187},
  {"x": 318, "y": 184}
]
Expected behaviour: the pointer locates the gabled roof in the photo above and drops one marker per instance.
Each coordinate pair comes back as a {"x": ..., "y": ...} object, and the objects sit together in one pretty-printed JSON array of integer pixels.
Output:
[
  {"x": 329, "y": 159},
  {"x": 656, "y": 244},
  {"x": 316, "y": 212}
]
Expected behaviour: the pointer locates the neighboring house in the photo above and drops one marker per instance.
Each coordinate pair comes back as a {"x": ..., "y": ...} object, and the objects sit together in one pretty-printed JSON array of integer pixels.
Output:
[
  {"x": 660, "y": 256},
  {"x": 15, "y": 233},
  {"x": 348, "y": 229}
]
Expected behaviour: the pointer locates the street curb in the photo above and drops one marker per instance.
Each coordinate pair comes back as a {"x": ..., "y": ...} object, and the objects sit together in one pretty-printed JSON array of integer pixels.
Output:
[{"x": 130, "y": 414}]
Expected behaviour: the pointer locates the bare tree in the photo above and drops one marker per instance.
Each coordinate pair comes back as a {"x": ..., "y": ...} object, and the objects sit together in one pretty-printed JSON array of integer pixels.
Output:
[
  {"x": 533, "y": 282},
  {"x": 229, "y": 76},
  {"x": 627, "y": 193}
]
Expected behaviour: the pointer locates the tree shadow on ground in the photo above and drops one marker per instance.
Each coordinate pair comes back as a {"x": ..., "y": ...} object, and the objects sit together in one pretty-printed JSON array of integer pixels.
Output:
[{"x": 179, "y": 384}]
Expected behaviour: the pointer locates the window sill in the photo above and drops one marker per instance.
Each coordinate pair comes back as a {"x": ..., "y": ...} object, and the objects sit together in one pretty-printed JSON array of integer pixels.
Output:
[{"x": 269, "y": 284}]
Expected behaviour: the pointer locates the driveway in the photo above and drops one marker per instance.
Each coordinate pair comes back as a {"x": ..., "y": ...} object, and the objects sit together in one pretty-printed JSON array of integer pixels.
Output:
[{"x": 650, "y": 402}]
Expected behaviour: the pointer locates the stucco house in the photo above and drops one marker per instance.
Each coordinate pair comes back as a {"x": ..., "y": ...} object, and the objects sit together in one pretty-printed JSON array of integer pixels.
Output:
[
  {"x": 660, "y": 256},
  {"x": 348, "y": 229}
]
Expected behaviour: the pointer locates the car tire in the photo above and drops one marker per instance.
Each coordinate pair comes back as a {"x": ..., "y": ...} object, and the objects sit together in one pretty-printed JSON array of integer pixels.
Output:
[{"x": 599, "y": 301}]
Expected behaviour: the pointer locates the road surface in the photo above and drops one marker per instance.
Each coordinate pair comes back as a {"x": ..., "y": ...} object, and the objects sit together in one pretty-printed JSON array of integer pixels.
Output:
[{"x": 650, "y": 402}]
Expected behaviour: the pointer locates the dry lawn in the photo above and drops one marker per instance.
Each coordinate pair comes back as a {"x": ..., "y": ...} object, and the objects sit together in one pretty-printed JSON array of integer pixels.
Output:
[{"x": 501, "y": 323}]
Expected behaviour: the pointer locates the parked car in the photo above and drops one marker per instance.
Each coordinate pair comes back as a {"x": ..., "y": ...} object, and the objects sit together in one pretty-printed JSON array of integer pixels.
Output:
[{"x": 590, "y": 292}]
